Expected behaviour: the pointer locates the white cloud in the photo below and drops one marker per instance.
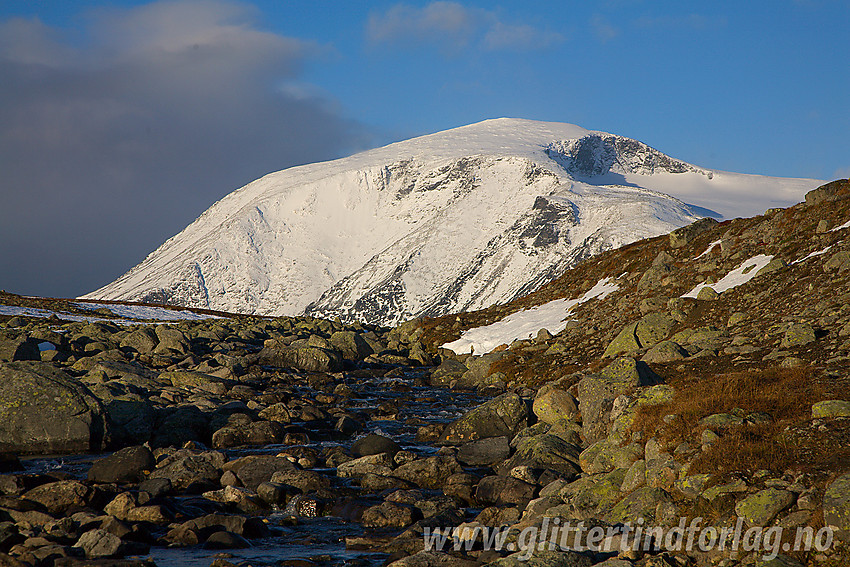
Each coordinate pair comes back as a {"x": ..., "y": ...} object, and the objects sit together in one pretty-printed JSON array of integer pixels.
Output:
[{"x": 453, "y": 26}]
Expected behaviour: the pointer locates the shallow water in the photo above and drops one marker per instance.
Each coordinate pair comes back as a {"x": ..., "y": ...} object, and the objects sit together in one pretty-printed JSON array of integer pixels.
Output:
[{"x": 318, "y": 541}]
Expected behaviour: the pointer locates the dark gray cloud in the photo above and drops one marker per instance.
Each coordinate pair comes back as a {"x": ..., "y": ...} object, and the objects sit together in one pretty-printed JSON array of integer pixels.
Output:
[{"x": 113, "y": 142}]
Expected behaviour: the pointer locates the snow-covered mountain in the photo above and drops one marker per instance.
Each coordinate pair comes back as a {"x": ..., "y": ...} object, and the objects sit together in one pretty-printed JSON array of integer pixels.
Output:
[{"x": 453, "y": 221}]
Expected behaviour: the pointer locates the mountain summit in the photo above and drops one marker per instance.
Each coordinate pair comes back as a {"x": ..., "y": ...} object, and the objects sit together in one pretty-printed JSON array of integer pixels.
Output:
[{"x": 453, "y": 221}]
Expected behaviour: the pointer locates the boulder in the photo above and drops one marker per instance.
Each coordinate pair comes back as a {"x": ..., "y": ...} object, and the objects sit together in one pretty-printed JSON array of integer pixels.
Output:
[
  {"x": 143, "y": 341},
  {"x": 431, "y": 472},
  {"x": 17, "y": 346},
  {"x": 184, "y": 471},
  {"x": 126, "y": 465},
  {"x": 828, "y": 191},
  {"x": 501, "y": 416},
  {"x": 504, "y": 491},
  {"x": 798, "y": 335},
  {"x": 683, "y": 235},
  {"x": 389, "y": 515},
  {"x": 836, "y": 505},
  {"x": 665, "y": 351},
  {"x": 831, "y": 409},
  {"x": 351, "y": 345},
  {"x": 760, "y": 508},
  {"x": 192, "y": 380},
  {"x": 553, "y": 404},
  {"x": 597, "y": 392},
  {"x": 484, "y": 452},
  {"x": 545, "y": 452},
  {"x": 373, "y": 444},
  {"x": 98, "y": 544},
  {"x": 59, "y": 496},
  {"x": 44, "y": 410},
  {"x": 309, "y": 358},
  {"x": 256, "y": 469},
  {"x": 448, "y": 371}
]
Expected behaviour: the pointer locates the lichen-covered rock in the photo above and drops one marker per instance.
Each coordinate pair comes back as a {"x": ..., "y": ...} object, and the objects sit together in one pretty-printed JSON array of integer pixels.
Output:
[
  {"x": 760, "y": 508},
  {"x": 553, "y": 404},
  {"x": 681, "y": 236},
  {"x": 545, "y": 452},
  {"x": 501, "y": 416},
  {"x": 665, "y": 351},
  {"x": 309, "y": 358},
  {"x": 831, "y": 409},
  {"x": 639, "y": 504},
  {"x": 798, "y": 335},
  {"x": 448, "y": 371},
  {"x": 44, "y": 410},
  {"x": 836, "y": 505}
]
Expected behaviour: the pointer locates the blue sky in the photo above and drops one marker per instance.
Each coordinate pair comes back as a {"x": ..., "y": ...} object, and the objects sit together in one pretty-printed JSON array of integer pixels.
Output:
[{"x": 121, "y": 121}]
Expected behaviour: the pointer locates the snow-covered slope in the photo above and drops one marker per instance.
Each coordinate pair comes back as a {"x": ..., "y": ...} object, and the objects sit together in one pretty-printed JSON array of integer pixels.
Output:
[{"x": 453, "y": 221}]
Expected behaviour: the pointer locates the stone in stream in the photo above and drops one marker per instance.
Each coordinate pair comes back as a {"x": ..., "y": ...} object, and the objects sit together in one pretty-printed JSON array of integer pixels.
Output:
[
  {"x": 373, "y": 444},
  {"x": 126, "y": 465}
]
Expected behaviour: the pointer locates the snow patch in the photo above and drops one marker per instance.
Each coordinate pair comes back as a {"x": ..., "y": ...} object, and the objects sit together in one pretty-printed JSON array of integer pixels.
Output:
[
  {"x": 814, "y": 254},
  {"x": 739, "y": 276},
  {"x": 709, "y": 249},
  {"x": 842, "y": 227},
  {"x": 525, "y": 324},
  {"x": 147, "y": 312}
]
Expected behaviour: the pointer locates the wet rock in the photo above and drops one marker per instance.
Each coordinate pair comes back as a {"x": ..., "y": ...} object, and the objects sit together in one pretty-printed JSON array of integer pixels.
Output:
[
  {"x": 373, "y": 444},
  {"x": 132, "y": 420},
  {"x": 185, "y": 471},
  {"x": 182, "y": 425},
  {"x": 126, "y": 465},
  {"x": 99, "y": 543},
  {"x": 389, "y": 515},
  {"x": 251, "y": 528},
  {"x": 447, "y": 372},
  {"x": 276, "y": 412},
  {"x": 257, "y": 433},
  {"x": 256, "y": 469},
  {"x": 305, "y": 481},
  {"x": 44, "y": 410},
  {"x": 57, "y": 497},
  {"x": 226, "y": 540},
  {"x": 380, "y": 464},
  {"x": 501, "y": 416},
  {"x": 431, "y": 472}
]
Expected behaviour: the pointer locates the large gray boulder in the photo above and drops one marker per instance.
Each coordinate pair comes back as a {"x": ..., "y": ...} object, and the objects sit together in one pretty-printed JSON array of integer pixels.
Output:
[
  {"x": 501, "y": 416},
  {"x": 309, "y": 358},
  {"x": 44, "y": 410},
  {"x": 17, "y": 346}
]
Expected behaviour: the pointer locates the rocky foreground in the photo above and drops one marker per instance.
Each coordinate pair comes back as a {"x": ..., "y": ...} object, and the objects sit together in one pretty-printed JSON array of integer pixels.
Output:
[{"x": 650, "y": 409}]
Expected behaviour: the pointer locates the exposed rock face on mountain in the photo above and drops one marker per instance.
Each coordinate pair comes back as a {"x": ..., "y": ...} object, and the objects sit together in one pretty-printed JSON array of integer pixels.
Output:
[{"x": 454, "y": 221}]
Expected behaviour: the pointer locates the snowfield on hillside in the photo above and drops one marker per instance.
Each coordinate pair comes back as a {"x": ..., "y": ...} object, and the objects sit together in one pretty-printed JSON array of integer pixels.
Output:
[{"x": 552, "y": 316}]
